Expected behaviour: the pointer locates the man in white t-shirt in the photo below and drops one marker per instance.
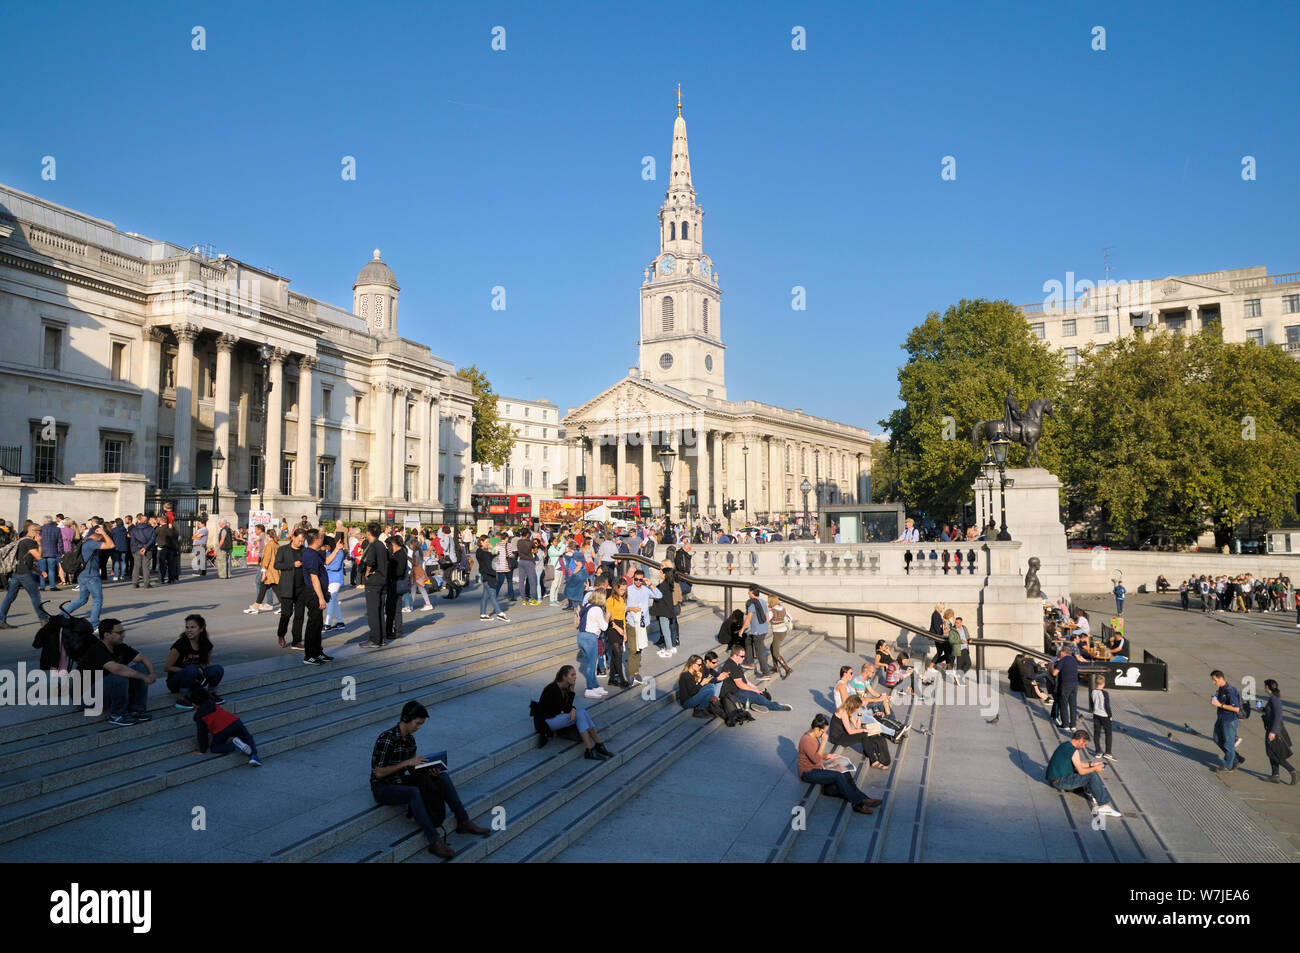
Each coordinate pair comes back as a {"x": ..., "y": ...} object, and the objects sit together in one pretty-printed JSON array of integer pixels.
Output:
[{"x": 910, "y": 533}]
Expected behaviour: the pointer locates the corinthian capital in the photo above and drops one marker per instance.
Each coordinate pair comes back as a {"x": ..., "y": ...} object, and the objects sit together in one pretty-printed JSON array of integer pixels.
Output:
[
  {"x": 186, "y": 332},
  {"x": 278, "y": 355},
  {"x": 226, "y": 342},
  {"x": 307, "y": 362}
]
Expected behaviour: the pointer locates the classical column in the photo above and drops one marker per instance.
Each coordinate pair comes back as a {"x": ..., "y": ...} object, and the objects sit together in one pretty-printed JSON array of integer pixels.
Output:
[
  {"x": 676, "y": 490},
  {"x": 464, "y": 435},
  {"x": 754, "y": 490},
  {"x": 397, "y": 436},
  {"x": 702, "y": 495},
  {"x": 648, "y": 479},
  {"x": 775, "y": 477},
  {"x": 382, "y": 436},
  {"x": 716, "y": 460},
  {"x": 221, "y": 410},
  {"x": 435, "y": 447},
  {"x": 152, "y": 340},
  {"x": 425, "y": 423},
  {"x": 274, "y": 423},
  {"x": 594, "y": 469},
  {"x": 620, "y": 466},
  {"x": 182, "y": 440},
  {"x": 302, "y": 471},
  {"x": 571, "y": 452}
]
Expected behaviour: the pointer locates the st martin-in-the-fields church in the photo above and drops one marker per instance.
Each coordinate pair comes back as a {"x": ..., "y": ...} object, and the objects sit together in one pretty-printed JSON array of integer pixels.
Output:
[{"x": 678, "y": 395}]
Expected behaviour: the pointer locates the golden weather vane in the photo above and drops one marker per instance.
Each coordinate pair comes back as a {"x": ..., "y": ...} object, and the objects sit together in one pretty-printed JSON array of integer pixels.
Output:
[{"x": 679, "y": 99}]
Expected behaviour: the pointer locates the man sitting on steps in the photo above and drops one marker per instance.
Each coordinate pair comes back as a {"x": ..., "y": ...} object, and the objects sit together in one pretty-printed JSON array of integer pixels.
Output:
[
  {"x": 393, "y": 780},
  {"x": 1067, "y": 771},
  {"x": 737, "y": 689}
]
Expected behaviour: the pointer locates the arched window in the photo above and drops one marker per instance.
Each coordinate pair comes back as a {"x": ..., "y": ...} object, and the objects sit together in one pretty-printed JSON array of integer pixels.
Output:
[
  {"x": 706, "y": 315},
  {"x": 686, "y": 230},
  {"x": 672, "y": 231},
  {"x": 666, "y": 310}
]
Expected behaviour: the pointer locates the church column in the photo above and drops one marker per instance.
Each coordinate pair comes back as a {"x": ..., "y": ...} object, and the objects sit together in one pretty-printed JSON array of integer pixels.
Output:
[
  {"x": 593, "y": 468},
  {"x": 719, "y": 493},
  {"x": 273, "y": 434},
  {"x": 182, "y": 440},
  {"x": 620, "y": 465},
  {"x": 675, "y": 489},
  {"x": 702, "y": 489},
  {"x": 649, "y": 483},
  {"x": 397, "y": 447},
  {"x": 302, "y": 473},
  {"x": 380, "y": 454},
  {"x": 221, "y": 409},
  {"x": 754, "y": 491},
  {"x": 571, "y": 451},
  {"x": 152, "y": 340},
  {"x": 435, "y": 446}
]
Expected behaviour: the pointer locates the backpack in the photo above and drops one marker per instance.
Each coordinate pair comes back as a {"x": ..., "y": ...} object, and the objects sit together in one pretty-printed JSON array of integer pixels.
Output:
[
  {"x": 9, "y": 558},
  {"x": 73, "y": 562},
  {"x": 78, "y": 636},
  {"x": 582, "y": 615},
  {"x": 1243, "y": 709}
]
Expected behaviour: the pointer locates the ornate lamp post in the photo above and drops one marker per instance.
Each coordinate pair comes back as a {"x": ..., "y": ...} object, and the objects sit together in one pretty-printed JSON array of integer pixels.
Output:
[
  {"x": 989, "y": 470},
  {"x": 999, "y": 446},
  {"x": 667, "y": 459},
  {"x": 805, "y": 487},
  {"x": 582, "y": 448},
  {"x": 218, "y": 459}
]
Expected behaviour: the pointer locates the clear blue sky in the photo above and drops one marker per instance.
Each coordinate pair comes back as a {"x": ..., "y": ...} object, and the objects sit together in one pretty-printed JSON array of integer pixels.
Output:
[{"x": 818, "y": 168}]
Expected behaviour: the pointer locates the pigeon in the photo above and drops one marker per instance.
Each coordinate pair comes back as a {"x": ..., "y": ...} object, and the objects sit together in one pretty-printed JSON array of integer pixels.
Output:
[
  {"x": 1170, "y": 736},
  {"x": 993, "y": 720}
]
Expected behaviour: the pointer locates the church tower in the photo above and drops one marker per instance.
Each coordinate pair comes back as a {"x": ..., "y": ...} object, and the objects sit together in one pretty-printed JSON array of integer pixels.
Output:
[
  {"x": 681, "y": 304},
  {"x": 374, "y": 298}
]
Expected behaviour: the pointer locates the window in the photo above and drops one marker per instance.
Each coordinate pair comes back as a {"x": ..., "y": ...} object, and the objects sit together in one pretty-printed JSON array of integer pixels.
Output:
[
  {"x": 1071, "y": 359},
  {"x": 51, "y": 356},
  {"x": 1209, "y": 316},
  {"x": 408, "y": 481},
  {"x": 114, "y": 452},
  {"x": 410, "y": 415},
  {"x": 665, "y": 361},
  {"x": 118, "y": 369},
  {"x": 1293, "y": 334},
  {"x": 1039, "y": 330},
  {"x": 525, "y": 411},
  {"x": 456, "y": 485},
  {"x": 254, "y": 472},
  {"x": 1255, "y": 335},
  {"x": 1068, "y": 328},
  {"x": 546, "y": 453},
  {"x": 45, "y": 459},
  {"x": 1176, "y": 322},
  {"x": 672, "y": 231},
  {"x": 164, "y": 479},
  {"x": 1253, "y": 308},
  {"x": 666, "y": 312},
  {"x": 357, "y": 485},
  {"x": 286, "y": 475},
  {"x": 325, "y": 393},
  {"x": 1290, "y": 304},
  {"x": 291, "y": 395},
  {"x": 1101, "y": 324},
  {"x": 546, "y": 480},
  {"x": 528, "y": 477},
  {"x": 506, "y": 411},
  {"x": 441, "y": 480},
  {"x": 325, "y": 477},
  {"x": 706, "y": 315},
  {"x": 686, "y": 230},
  {"x": 358, "y": 403},
  {"x": 528, "y": 450}
]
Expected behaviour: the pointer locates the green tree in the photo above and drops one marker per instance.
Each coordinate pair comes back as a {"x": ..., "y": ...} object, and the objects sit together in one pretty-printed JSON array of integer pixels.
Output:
[
  {"x": 959, "y": 367},
  {"x": 492, "y": 439}
]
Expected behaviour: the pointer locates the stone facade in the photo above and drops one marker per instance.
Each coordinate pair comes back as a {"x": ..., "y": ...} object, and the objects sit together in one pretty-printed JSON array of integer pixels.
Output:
[
  {"x": 537, "y": 460},
  {"x": 739, "y": 450},
  {"x": 128, "y": 355}
]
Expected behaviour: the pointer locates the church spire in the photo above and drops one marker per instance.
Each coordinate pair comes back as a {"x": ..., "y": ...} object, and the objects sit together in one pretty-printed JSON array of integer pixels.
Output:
[{"x": 680, "y": 174}]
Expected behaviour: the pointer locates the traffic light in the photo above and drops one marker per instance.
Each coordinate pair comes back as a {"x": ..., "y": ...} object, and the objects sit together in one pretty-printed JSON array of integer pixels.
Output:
[
  {"x": 726, "y": 508},
  {"x": 742, "y": 504}
]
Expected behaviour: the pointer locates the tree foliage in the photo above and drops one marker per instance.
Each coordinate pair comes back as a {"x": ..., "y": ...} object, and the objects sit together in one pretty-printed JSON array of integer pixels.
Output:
[{"x": 493, "y": 439}]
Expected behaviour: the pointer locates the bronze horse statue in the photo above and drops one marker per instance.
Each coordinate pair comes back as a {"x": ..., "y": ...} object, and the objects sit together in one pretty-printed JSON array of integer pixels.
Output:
[{"x": 1026, "y": 430}]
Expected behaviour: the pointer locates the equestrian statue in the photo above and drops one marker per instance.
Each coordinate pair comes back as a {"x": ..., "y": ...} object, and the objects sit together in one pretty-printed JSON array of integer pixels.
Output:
[{"x": 1022, "y": 427}]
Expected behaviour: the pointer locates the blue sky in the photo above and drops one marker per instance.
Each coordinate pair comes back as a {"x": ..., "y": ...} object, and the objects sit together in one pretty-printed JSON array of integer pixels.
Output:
[{"x": 819, "y": 168}]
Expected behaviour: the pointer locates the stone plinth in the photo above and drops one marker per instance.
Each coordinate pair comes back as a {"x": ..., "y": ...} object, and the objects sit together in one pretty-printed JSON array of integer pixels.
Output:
[{"x": 1034, "y": 520}]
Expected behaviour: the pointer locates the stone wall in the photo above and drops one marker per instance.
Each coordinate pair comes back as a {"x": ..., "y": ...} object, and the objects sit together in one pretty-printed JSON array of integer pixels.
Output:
[
  {"x": 1092, "y": 572},
  {"x": 109, "y": 495}
]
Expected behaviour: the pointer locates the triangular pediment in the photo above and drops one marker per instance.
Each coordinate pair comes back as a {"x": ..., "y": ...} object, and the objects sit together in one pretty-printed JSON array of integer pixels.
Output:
[
  {"x": 630, "y": 397},
  {"x": 1175, "y": 287}
]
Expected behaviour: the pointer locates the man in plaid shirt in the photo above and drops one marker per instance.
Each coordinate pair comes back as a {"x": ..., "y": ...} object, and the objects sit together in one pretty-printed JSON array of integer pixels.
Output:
[{"x": 392, "y": 781}]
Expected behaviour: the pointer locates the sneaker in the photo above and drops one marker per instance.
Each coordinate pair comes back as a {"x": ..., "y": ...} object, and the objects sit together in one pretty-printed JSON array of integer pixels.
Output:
[
  {"x": 246, "y": 611},
  {"x": 592, "y": 694},
  {"x": 502, "y": 616},
  {"x": 757, "y": 709},
  {"x": 484, "y": 618},
  {"x": 241, "y": 745},
  {"x": 428, "y": 608},
  {"x": 408, "y": 609},
  {"x": 603, "y": 690},
  {"x": 371, "y": 644},
  {"x": 662, "y": 654},
  {"x": 121, "y": 721},
  {"x": 325, "y": 658},
  {"x": 1105, "y": 810},
  {"x": 296, "y": 645},
  {"x": 253, "y": 760},
  {"x": 1109, "y": 757},
  {"x": 312, "y": 661},
  {"x": 184, "y": 705},
  {"x": 140, "y": 716}
]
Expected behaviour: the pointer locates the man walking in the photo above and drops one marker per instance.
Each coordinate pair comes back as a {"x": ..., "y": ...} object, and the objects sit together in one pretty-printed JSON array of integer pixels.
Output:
[
  {"x": 398, "y": 572},
  {"x": 312, "y": 598},
  {"x": 26, "y": 575},
  {"x": 91, "y": 586},
  {"x": 51, "y": 539},
  {"x": 288, "y": 560},
  {"x": 225, "y": 548},
  {"x": 1119, "y": 592},
  {"x": 1228, "y": 703},
  {"x": 374, "y": 576}
]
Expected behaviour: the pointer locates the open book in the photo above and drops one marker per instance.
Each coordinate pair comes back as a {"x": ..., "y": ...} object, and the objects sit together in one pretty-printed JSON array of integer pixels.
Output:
[{"x": 436, "y": 760}]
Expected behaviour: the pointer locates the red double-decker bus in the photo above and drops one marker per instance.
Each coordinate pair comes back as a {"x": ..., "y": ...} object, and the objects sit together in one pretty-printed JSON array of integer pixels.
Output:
[
  {"x": 569, "y": 508},
  {"x": 503, "y": 508}
]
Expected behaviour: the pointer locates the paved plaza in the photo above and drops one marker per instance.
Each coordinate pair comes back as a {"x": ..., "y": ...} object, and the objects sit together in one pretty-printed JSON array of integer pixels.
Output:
[{"x": 681, "y": 788}]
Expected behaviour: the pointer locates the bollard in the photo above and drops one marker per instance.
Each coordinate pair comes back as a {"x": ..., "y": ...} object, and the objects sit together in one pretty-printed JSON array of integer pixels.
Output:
[
  {"x": 848, "y": 631},
  {"x": 726, "y": 601}
]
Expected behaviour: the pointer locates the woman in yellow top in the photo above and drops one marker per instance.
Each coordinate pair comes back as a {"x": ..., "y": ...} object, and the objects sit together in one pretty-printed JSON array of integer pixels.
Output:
[{"x": 616, "y": 634}]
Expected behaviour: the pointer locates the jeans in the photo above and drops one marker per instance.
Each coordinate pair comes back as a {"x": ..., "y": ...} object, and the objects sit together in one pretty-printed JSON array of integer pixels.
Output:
[
  {"x": 51, "y": 566},
  {"x": 754, "y": 698},
  {"x": 583, "y": 722},
  {"x": 221, "y": 743},
  {"x": 92, "y": 591},
  {"x": 587, "y": 663},
  {"x": 118, "y": 561},
  {"x": 1119, "y": 610},
  {"x": 705, "y": 695},
  {"x": 1225, "y": 736},
  {"x": 489, "y": 594},
  {"x": 848, "y": 790},
  {"x": 265, "y": 592},
  {"x": 1072, "y": 782},
  {"x": 1067, "y": 704},
  {"x": 527, "y": 579},
  {"x": 29, "y": 582},
  {"x": 182, "y": 680},
  {"x": 510, "y": 578},
  {"x": 409, "y": 795},
  {"x": 122, "y": 694}
]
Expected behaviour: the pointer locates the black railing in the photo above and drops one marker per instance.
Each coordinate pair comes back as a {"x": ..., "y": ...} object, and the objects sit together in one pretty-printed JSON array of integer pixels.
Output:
[
  {"x": 11, "y": 460},
  {"x": 849, "y": 614}
]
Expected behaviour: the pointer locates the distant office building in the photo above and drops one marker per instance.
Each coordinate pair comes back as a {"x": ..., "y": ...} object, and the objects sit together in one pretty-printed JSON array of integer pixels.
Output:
[{"x": 537, "y": 461}]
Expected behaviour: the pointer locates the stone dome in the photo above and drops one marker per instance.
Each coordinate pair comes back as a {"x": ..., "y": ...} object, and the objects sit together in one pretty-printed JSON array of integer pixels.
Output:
[{"x": 376, "y": 272}]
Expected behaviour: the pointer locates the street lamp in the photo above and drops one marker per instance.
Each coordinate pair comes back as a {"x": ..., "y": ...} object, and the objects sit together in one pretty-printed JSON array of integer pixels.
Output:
[
  {"x": 582, "y": 447},
  {"x": 667, "y": 458},
  {"x": 804, "y": 488},
  {"x": 989, "y": 470},
  {"x": 999, "y": 446},
  {"x": 745, "y": 450},
  {"x": 218, "y": 459}
]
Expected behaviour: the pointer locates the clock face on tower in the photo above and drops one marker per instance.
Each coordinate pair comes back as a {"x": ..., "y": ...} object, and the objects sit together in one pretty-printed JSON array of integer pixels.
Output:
[
  {"x": 667, "y": 265},
  {"x": 705, "y": 267}
]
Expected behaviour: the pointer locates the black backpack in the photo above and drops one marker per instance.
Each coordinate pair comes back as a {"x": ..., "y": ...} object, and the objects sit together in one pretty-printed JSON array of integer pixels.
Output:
[
  {"x": 78, "y": 636},
  {"x": 73, "y": 561}
]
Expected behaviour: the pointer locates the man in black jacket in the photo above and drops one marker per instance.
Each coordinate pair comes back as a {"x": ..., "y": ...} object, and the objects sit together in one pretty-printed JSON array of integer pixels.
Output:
[
  {"x": 397, "y": 574},
  {"x": 682, "y": 563},
  {"x": 288, "y": 559},
  {"x": 374, "y": 574}
]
